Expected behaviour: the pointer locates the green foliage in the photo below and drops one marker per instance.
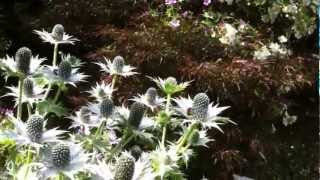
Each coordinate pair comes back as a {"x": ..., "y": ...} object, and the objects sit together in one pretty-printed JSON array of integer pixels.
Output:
[{"x": 48, "y": 106}]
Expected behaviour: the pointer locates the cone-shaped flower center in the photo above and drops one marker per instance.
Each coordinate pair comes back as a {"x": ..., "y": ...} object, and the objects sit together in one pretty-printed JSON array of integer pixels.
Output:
[
  {"x": 151, "y": 95},
  {"x": 172, "y": 81},
  {"x": 106, "y": 108},
  {"x": 124, "y": 168},
  {"x": 57, "y": 32},
  {"x": 136, "y": 114},
  {"x": 136, "y": 151},
  {"x": 60, "y": 155},
  {"x": 194, "y": 137},
  {"x": 23, "y": 59},
  {"x": 85, "y": 114},
  {"x": 28, "y": 87},
  {"x": 35, "y": 127},
  {"x": 118, "y": 64},
  {"x": 200, "y": 106},
  {"x": 64, "y": 70}
]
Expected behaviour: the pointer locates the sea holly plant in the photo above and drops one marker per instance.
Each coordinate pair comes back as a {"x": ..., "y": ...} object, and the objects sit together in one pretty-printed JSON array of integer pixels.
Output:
[{"x": 152, "y": 137}]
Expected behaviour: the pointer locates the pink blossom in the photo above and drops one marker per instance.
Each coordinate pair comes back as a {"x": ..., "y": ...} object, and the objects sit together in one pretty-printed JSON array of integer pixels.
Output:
[
  {"x": 206, "y": 2},
  {"x": 170, "y": 2}
]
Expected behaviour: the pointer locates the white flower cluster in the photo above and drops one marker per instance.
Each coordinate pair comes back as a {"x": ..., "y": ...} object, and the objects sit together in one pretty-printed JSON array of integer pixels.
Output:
[
  {"x": 273, "y": 50},
  {"x": 105, "y": 141}
]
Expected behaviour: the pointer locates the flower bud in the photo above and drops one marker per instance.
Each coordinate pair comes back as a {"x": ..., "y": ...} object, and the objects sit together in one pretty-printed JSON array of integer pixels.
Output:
[
  {"x": 118, "y": 64},
  {"x": 200, "y": 106},
  {"x": 136, "y": 114},
  {"x": 124, "y": 168},
  {"x": 65, "y": 69},
  {"x": 34, "y": 127},
  {"x": 106, "y": 108},
  {"x": 23, "y": 58},
  {"x": 57, "y": 32}
]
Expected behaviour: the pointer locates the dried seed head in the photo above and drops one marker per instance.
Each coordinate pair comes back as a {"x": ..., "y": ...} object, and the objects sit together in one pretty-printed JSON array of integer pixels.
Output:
[
  {"x": 124, "y": 168},
  {"x": 60, "y": 154},
  {"x": 151, "y": 95},
  {"x": 23, "y": 58},
  {"x": 28, "y": 87},
  {"x": 65, "y": 69},
  {"x": 35, "y": 127},
  {"x": 85, "y": 114},
  {"x": 171, "y": 81},
  {"x": 194, "y": 137},
  {"x": 57, "y": 32},
  {"x": 106, "y": 108},
  {"x": 136, "y": 114},
  {"x": 200, "y": 106},
  {"x": 118, "y": 64}
]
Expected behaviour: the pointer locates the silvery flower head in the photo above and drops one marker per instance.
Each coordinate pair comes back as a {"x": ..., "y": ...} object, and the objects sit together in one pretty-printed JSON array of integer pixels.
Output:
[
  {"x": 32, "y": 132},
  {"x": 31, "y": 92},
  {"x": 199, "y": 138},
  {"x": 117, "y": 67},
  {"x": 170, "y": 85},
  {"x": 64, "y": 73},
  {"x": 84, "y": 120},
  {"x": 57, "y": 36},
  {"x": 125, "y": 168},
  {"x": 150, "y": 99},
  {"x": 65, "y": 158},
  {"x": 200, "y": 110},
  {"x": 135, "y": 119},
  {"x": 101, "y": 91},
  {"x": 106, "y": 108},
  {"x": 24, "y": 64}
]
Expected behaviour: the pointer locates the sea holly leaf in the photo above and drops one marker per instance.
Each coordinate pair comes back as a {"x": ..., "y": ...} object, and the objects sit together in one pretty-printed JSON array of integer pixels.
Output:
[{"x": 48, "y": 106}]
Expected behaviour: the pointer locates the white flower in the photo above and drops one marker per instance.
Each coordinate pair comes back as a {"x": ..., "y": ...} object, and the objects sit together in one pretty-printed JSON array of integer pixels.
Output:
[
  {"x": 101, "y": 91},
  {"x": 276, "y": 49},
  {"x": 51, "y": 73},
  {"x": 229, "y": 36},
  {"x": 262, "y": 54},
  {"x": 211, "y": 118},
  {"x": 48, "y": 37},
  {"x": 31, "y": 98},
  {"x": 85, "y": 120},
  {"x": 21, "y": 135},
  {"x": 9, "y": 65},
  {"x": 142, "y": 169},
  {"x": 112, "y": 69},
  {"x": 69, "y": 162},
  {"x": 282, "y": 39},
  {"x": 150, "y": 100}
]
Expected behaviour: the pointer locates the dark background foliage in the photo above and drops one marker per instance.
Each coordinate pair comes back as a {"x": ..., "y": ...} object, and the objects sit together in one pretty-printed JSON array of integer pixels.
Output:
[{"x": 258, "y": 92}]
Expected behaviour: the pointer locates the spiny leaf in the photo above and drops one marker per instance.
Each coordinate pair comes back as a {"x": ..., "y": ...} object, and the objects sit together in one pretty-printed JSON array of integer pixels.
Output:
[{"x": 48, "y": 106}]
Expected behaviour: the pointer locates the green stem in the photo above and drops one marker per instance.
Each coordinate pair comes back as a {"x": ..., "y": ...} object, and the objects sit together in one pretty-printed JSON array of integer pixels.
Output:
[
  {"x": 56, "y": 97},
  {"x": 98, "y": 132},
  {"x": 20, "y": 86},
  {"x": 187, "y": 135},
  {"x": 124, "y": 141},
  {"x": 54, "y": 63},
  {"x": 164, "y": 129},
  {"x": 114, "y": 80},
  {"x": 59, "y": 177},
  {"x": 55, "y": 53},
  {"x": 28, "y": 160},
  {"x": 29, "y": 109}
]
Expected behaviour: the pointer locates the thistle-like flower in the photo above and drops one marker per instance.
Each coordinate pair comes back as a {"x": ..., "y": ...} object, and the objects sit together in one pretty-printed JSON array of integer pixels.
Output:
[
  {"x": 200, "y": 110},
  {"x": 32, "y": 132},
  {"x": 170, "y": 85},
  {"x": 85, "y": 120},
  {"x": 125, "y": 168},
  {"x": 24, "y": 64},
  {"x": 106, "y": 108},
  {"x": 31, "y": 92},
  {"x": 101, "y": 91},
  {"x": 64, "y": 73},
  {"x": 65, "y": 158},
  {"x": 57, "y": 36},
  {"x": 117, "y": 67},
  {"x": 150, "y": 99},
  {"x": 135, "y": 120}
]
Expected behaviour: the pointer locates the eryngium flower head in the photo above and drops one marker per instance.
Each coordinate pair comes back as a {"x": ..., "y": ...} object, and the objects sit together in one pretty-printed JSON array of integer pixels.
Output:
[
  {"x": 23, "y": 57},
  {"x": 34, "y": 127},
  {"x": 57, "y": 32},
  {"x": 28, "y": 87},
  {"x": 118, "y": 64},
  {"x": 171, "y": 81},
  {"x": 106, "y": 108},
  {"x": 85, "y": 114},
  {"x": 124, "y": 167},
  {"x": 136, "y": 151},
  {"x": 151, "y": 95},
  {"x": 65, "y": 69},
  {"x": 194, "y": 137},
  {"x": 200, "y": 106},
  {"x": 60, "y": 154},
  {"x": 136, "y": 114}
]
